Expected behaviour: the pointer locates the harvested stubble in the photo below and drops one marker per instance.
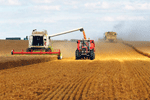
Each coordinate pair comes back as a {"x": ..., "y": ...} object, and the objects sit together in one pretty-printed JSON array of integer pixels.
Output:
[{"x": 118, "y": 72}]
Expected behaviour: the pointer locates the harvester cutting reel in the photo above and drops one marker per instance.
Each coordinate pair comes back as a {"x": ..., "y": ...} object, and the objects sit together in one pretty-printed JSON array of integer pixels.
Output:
[{"x": 58, "y": 53}]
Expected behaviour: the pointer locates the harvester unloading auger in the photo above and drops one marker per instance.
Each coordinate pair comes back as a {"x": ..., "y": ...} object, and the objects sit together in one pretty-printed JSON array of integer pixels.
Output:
[
  {"x": 40, "y": 41},
  {"x": 85, "y": 48}
]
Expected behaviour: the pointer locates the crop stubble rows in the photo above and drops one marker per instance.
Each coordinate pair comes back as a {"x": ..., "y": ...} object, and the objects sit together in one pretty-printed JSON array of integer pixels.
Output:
[{"x": 70, "y": 80}]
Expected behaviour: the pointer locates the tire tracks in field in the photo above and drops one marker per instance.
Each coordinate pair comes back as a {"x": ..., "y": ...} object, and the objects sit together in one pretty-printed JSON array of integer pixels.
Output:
[
  {"x": 47, "y": 92},
  {"x": 68, "y": 92},
  {"x": 138, "y": 84},
  {"x": 75, "y": 90},
  {"x": 82, "y": 90},
  {"x": 106, "y": 85},
  {"x": 102, "y": 82},
  {"x": 92, "y": 89},
  {"x": 60, "y": 87},
  {"x": 112, "y": 90},
  {"x": 143, "y": 77},
  {"x": 122, "y": 82},
  {"x": 71, "y": 87}
]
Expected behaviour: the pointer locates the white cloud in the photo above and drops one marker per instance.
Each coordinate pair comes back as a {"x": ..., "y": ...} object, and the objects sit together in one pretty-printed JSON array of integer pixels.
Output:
[
  {"x": 103, "y": 5},
  {"x": 107, "y": 19},
  {"x": 43, "y": 1},
  {"x": 10, "y": 2},
  {"x": 136, "y": 18},
  {"x": 118, "y": 5},
  {"x": 44, "y": 7},
  {"x": 137, "y": 6},
  {"x": 32, "y": 20},
  {"x": 71, "y": 2},
  {"x": 122, "y": 18}
]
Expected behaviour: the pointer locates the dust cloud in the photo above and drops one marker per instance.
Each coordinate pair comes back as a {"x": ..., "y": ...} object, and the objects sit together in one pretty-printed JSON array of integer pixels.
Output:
[
  {"x": 133, "y": 31},
  {"x": 67, "y": 48}
]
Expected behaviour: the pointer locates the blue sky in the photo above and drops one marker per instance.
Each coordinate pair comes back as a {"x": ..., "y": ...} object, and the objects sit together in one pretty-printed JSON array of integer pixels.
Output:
[{"x": 129, "y": 18}]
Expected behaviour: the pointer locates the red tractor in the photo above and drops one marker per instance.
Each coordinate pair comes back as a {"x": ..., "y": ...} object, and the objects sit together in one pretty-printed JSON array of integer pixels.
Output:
[{"x": 85, "y": 49}]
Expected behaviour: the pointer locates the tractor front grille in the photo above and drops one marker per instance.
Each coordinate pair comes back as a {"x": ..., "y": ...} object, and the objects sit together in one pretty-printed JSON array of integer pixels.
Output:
[{"x": 83, "y": 50}]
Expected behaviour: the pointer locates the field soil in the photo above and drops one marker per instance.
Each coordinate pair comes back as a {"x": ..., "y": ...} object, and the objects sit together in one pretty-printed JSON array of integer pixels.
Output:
[{"x": 118, "y": 72}]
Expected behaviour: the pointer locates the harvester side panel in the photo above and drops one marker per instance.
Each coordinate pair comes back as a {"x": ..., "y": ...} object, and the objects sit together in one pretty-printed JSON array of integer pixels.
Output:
[{"x": 30, "y": 40}]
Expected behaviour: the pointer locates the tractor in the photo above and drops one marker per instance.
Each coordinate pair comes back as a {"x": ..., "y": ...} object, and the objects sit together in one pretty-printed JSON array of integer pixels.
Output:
[{"x": 85, "y": 49}]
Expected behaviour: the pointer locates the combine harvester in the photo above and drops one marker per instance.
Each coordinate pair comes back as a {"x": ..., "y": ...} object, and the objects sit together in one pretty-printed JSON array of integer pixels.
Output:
[
  {"x": 41, "y": 41},
  {"x": 110, "y": 36}
]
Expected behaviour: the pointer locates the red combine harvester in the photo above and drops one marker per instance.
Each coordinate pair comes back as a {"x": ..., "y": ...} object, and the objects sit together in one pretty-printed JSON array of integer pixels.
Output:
[{"x": 85, "y": 49}]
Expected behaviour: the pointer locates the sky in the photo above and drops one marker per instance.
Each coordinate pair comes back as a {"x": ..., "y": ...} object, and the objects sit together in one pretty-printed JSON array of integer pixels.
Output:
[{"x": 129, "y": 18}]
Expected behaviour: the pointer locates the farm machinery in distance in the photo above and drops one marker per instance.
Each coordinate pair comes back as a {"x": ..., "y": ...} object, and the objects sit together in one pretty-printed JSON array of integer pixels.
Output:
[{"x": 110, "y": 36}]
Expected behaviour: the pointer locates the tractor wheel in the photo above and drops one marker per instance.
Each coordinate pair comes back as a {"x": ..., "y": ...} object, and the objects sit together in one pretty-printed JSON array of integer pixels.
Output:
[
  {"x": 77, "y": 55},
  {"x": 92, "y": 55},
  {"x": 77, "y": 58}
]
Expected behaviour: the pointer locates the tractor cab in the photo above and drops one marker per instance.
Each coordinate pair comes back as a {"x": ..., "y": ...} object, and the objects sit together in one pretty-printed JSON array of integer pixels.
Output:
[{"x": 84, "y": 44}]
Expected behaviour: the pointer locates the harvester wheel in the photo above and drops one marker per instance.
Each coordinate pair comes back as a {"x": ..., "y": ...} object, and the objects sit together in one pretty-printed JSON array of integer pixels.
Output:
[
  {"x": 60, "y": 56},
  {"x": 28, "y": 50},
  {"x": 12, "y": 52},
  {"x": 48, "y": 50}
]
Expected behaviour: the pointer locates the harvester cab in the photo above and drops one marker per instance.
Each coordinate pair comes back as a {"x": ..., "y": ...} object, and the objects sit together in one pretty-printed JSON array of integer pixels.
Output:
[
  {"x": 85, "y": 49},
  {"x": 38, "y": 40}
]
